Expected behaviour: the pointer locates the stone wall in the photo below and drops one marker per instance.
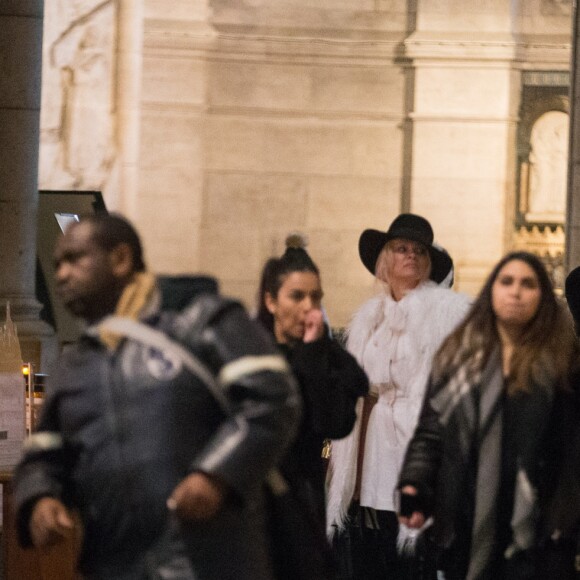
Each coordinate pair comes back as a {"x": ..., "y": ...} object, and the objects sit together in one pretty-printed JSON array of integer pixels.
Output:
[
  {"x": 247, "y": 119},
  {"x": 306, "y": 107}
]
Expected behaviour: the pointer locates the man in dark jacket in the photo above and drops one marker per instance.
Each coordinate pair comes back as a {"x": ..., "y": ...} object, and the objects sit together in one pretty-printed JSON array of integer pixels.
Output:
[{"x": 166, "y": 477}]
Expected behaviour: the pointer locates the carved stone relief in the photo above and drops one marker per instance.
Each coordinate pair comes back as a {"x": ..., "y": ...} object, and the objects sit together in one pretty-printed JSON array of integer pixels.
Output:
[
  {"x": 542, "y": 158},
  {"x": 78, "y": 116},
  {"x": 548, "y": 168},
  {"x": 542, "y": 175}
]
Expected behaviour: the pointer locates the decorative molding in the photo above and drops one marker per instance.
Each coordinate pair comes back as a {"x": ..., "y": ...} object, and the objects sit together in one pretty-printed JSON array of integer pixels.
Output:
[
  {"x": 546, "y": 78},
  {"x": 430, "y": 46},
  {"x": 171, "y": 108},
  {"x": 268, "y": 46},
  {"x": 549, "y": 245},
  {"x": 460, "y": 46},
  {"x": 540, "y": 240},
  {"x": 447, "y": 118},
  {"x": 540, "y": 55},
  {"x": 306, "y": 114}
]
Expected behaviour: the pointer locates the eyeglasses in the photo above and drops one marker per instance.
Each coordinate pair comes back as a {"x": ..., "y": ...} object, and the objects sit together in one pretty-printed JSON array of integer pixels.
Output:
[{"x": 407, "y": 249}]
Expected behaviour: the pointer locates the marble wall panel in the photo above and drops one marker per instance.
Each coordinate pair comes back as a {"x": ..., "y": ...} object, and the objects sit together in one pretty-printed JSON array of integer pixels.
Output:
[
  {"x": 255, "y": 201},
  {"x": 166, "y": 180},
  {"x": 176, "y": 10},
  {"x": 343, "y": 301},
  {"x": 309, "y": 147},
  {"x": 173, "y": 80},
  {"x": 459, "y": 16},
  {"x": 346, "y": 203},
  {"x": 462, "y": 150},
  {"x": 302, "y": 146},
  {"x": 170, "y": 234},
  {"x": 340, "y": 16},
  {"x": 463, "y": 91},
  {"x": 310, "y": 89},
  {"x": 471, "y": 174},
  {"x": 345, "y": 280},
  {"x": 232, "y": 254},
  {"x": 265, "y": 85},
  {"x": 171, "y": 185},
  {"x": 170, "y": 138},
  {"x": 234, "y": 144},
  {"x": 370, "y": 90},
  {"x": 544, "y": 17}
]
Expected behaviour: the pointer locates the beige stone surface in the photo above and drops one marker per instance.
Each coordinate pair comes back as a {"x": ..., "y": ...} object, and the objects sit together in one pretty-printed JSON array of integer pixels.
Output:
[
  {"x": 457, "y": 15},
  {"x": 252, "y": 118},
  {"x": 305, "y": 89},
  {"x": 351, "y": 203},
  {"x": 455, "y": 91},
  {"x": 173, "y": 81}
]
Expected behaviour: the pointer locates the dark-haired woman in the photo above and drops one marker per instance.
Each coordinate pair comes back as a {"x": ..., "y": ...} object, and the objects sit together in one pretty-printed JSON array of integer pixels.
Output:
[
  {"x": 489, "y": 458},
  {"x": 330, "y": 379}
]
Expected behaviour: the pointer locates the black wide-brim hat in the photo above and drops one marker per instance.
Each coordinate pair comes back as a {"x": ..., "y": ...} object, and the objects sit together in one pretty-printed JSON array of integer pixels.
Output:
[{"x": 406, "y": 226}]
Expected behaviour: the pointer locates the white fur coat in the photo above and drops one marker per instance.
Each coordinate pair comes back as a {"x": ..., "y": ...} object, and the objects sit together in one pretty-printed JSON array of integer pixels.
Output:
[{"x": 394, "y": 342}]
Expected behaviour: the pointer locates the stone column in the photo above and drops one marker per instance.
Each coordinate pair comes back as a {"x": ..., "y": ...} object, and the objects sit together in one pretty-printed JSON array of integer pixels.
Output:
[
  {"x": 463, "y": 118},
  {"x": 20, "y": 58},
  {"x": 129, "y": 100}
]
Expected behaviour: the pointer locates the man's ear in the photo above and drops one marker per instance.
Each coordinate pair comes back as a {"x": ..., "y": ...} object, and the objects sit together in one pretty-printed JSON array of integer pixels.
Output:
[
  {"x": 121, "y": 259},
  {"x": 270, "y": 303}
]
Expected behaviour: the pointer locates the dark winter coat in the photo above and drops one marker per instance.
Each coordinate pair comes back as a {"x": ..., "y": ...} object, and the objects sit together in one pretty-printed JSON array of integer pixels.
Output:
[
  {"x": 438, "y": 463},
  {"x": 121, "y": 428},
  {"x": 330, "y": 381}
]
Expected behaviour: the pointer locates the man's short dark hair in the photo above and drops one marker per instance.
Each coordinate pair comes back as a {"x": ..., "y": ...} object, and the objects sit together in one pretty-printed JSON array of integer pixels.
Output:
[{"x": 110, "y": 230}]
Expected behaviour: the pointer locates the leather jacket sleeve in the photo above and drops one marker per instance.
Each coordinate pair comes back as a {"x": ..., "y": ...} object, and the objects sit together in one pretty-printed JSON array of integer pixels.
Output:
[
  {"x": 424, "y": 453},
  {"x": 241, "y": 446},
  {"x": 264, "y": 403},
  {"x": 331, "y": 382}
]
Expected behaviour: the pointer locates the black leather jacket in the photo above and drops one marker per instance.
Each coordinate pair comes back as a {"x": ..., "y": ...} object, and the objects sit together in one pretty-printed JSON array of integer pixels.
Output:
[
  {"x": 119, "y": 429},
  {"x": 436, "y": 464}
]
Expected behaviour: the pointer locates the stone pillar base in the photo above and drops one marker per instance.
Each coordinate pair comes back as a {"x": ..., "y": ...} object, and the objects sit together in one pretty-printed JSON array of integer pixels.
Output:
[{"x": 38, "y": 341}]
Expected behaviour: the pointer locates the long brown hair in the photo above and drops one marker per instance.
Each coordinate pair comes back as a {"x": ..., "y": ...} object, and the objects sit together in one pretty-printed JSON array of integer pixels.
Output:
[{"x": 546, "y": 347}]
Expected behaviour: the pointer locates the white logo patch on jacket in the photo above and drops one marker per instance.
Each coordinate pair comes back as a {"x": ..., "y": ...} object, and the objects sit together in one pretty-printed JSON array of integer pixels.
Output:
[{"x": 164, "y": 366}]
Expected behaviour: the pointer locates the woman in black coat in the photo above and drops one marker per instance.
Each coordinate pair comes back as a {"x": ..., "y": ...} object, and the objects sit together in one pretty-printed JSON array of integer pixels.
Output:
[
  {"x": 330, "y": 379},
  {"x": 495, "y": 456}
]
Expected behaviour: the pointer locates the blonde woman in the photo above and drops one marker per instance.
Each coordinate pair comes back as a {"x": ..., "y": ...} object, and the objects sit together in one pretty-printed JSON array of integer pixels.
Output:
[{"x": 394, "y": 337}]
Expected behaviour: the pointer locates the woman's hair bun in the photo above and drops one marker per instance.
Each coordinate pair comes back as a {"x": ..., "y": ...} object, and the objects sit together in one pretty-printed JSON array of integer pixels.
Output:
[
  {"x": 296, "y": 258},
  {"x": 296, "y": 240}
]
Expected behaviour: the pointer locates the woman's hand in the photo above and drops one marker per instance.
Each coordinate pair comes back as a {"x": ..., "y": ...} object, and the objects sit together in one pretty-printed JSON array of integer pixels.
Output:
[
  {"x": 416, "y": 519},
  {"x": 313, "y": 325}
]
